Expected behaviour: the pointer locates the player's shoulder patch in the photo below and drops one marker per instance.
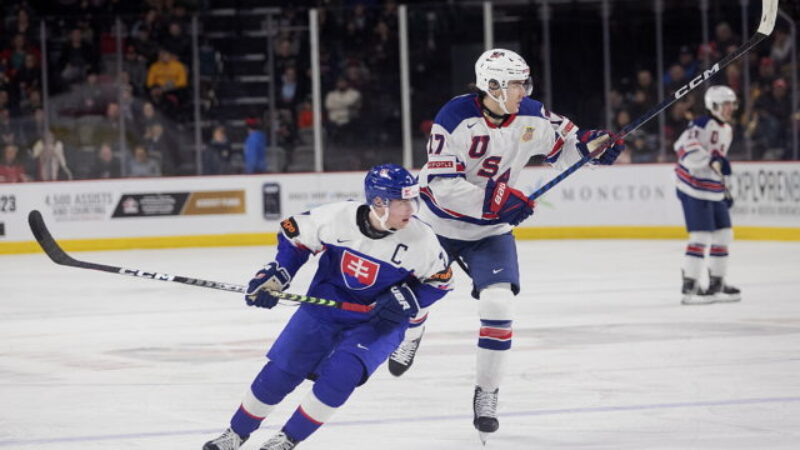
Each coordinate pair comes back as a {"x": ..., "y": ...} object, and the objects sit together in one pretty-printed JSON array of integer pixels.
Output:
[
  {"x": 290, "y": 228},
  {"x": 456, "y": 111}
]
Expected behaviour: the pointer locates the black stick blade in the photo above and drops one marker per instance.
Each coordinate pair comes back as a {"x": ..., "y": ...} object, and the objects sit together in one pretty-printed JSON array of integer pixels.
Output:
[{"x": 46, "y": 241}]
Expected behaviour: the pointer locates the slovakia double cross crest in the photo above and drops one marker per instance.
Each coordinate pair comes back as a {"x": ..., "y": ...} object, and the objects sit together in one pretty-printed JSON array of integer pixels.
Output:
[{"x": 358, "y": 272}]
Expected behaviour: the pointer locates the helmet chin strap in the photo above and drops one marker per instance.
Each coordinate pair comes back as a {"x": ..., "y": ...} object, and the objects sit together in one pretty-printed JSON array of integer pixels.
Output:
[
  {"x": 382, "y": 218},
  {"x": 500, "y": 101}
]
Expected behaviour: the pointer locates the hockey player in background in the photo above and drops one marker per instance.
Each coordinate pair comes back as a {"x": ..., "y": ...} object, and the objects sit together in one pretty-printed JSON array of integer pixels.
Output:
[
  {"x": 375, "y": 253},
  {"x": 701, "y": 172},
  {"x": 478, "y": 146}
]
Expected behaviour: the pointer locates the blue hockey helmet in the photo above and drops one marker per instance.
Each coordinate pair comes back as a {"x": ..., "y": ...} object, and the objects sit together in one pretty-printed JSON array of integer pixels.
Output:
[{"x": 390, "y": 182}]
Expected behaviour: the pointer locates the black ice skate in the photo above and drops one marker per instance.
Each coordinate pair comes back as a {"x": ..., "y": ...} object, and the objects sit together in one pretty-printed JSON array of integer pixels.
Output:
[
  {"x": 279, "y": 442},
  {"x": 693, "y": 294},
  {"x": 721, "y": 292},
  {"x": 229, "y": 440},
  {"x": 484, "y": 405},
  {"x": 403, "y": 356}
]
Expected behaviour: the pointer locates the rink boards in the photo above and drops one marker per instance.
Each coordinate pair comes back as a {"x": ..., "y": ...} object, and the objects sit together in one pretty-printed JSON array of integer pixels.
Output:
[{"x": 635, "y": 201}]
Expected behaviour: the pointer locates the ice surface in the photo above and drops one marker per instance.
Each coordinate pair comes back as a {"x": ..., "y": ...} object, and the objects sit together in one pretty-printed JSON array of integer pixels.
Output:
[{"x": 604, "y": 356}]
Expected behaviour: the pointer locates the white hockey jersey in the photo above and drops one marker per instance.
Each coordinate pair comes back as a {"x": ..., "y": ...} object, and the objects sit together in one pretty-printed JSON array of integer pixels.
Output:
[
  {"x": 465, "y": 150},
  {"x": 355, "y": 268},
  {"x": 694, "y": 176}
]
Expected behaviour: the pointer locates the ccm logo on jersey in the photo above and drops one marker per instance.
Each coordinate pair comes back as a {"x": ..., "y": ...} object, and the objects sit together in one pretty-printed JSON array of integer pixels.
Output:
[
  {"x": 358, "y": 272},
  {"x": 290, "y": 228}
]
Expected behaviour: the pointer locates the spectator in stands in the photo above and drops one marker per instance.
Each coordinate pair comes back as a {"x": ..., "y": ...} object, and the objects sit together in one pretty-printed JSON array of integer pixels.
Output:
[
  {"x": 770, "y": 122},
  {"x": 105, "y": 165},
  {"x": 141, "y": 165},
  {"x": 150, "y": 24},
  {"x": 724, "y": 39},
  {"x": 167, "y": 72},
  {"x": 343, "y": 105},
  {"x": 675, "y": 78},
  {"x": 305, "y": 116},
  {"x": 290, "y": 91},
  {"x": 51, "y": 163},
  {"x": 285, "y": 56},
  {"x": 218, "y": 153},
  {"x": 255, "y": 148},
  {"x": 110, "y": 128},
  {"x": 22, "y": 25},
  {"x": 12, "y": 170},
  {"x": 136, "y": 67},
  {"x": 177, "y": 42},
  {"x": 77, "y": 59},
  {"x": 766, "y": 74},
  {"x": 145, "y": 46},
  {"x": 29, "y": 76},
  {"x": 160, "y": 148},
  {"x": 8, "y": 130},
  {"x": 687, "y": 60},
  {"x": 781, "y": 49},
  {"x": 4, "y": 100},
  {"x": 645, "y": 83},
  {"x": 14, "y": 56},
  {"x": 92, "y": 96},
  {"x": 148, "y": 118}
]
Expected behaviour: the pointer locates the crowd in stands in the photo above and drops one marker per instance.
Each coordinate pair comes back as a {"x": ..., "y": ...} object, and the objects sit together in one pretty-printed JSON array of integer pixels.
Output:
[
  {"x": 127, "y": 110},
  {"x": 766, "y": 120}
]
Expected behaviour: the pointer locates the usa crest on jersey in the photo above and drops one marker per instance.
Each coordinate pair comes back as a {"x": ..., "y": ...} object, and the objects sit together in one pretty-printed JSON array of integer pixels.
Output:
[{"x": 358, "y": 272}]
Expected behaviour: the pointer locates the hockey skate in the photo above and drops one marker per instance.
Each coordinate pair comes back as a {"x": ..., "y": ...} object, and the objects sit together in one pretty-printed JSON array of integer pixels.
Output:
[
  {"x": 721, "y": 292},
  {"x": 229, "y": 440},
  {"x": 484, "y": 405},
  {"x": 693, "y": 294},
  {"x": 403, "y": 356},
  {"x": 279, "y": 442}
]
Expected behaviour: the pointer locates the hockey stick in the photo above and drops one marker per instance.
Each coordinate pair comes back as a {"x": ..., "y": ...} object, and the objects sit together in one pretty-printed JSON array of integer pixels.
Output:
[
  {"x": 59, "y": 256},
  {"x": 769, "y": 12}
]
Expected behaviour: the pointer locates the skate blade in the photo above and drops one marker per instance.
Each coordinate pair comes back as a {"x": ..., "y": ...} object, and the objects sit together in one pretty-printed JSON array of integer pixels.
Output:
[
  {"x": 726, "y": 298},
  {"x": 695, "y": 301},
  {"x": 483, "y": 436}
]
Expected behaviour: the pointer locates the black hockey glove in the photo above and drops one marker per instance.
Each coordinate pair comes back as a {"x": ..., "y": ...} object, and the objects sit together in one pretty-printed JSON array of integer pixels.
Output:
[
  {"x": 394, "y": 307},
  {"x": 271, "y": 278}
]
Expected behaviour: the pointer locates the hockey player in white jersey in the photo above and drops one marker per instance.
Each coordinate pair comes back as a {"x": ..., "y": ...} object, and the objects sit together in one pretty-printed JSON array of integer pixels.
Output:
[
  {"x": 700, "y": 173},
  {"x": 373, "y": 254},
  {"x": 478, "y": 145}
]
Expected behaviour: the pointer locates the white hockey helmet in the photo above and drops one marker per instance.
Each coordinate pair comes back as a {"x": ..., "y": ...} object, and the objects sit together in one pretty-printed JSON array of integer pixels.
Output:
[
  {"x": 716, "y": 96},
  {"x": 495, "y": 68}
]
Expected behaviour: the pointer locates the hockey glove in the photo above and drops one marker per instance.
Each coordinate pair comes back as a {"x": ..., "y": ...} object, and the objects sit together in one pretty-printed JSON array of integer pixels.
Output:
[
  {"x": 720, "y": 164},
  {"x": 271, "y": 278},
  {"x": 728, "y": 199},
  {"x": 506, "y": 203},
  {"x": 589, "y": 140},
  {"x": 394, "y": 307}
]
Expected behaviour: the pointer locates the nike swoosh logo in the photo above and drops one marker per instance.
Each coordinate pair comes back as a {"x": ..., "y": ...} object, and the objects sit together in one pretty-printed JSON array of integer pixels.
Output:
[
  {"x": 496, "y": 271},
  {"x": 473, "y": 124},
  {"x": 362, "y": 347},
  {"x": 342, "y": 240}
]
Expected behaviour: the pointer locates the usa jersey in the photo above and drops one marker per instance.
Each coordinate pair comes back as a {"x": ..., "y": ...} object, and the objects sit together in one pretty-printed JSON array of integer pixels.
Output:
[
  {"x": 355, "y": 268},
  {"x": 465, "y": 150},
  {"x": 704, "y": 137}
]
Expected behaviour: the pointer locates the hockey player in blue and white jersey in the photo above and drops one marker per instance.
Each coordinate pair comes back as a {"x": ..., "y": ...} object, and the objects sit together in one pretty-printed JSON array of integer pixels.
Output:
[
  {"x": 478, "y": 146},
  {"x": 373, "y": 254},
  {"x": 700, "y": 176}
]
